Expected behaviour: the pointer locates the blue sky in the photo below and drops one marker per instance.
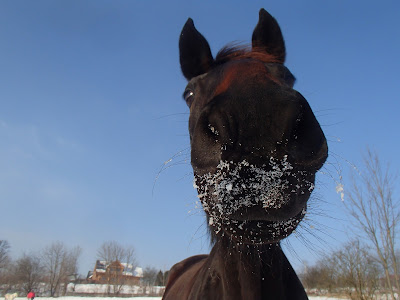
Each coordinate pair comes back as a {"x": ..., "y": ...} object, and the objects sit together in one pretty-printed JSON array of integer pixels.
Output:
[{"x": 91, "y": 108}]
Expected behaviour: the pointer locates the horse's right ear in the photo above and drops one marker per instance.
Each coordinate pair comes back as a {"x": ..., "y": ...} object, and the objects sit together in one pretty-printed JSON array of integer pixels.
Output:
[{"x": 194, "y": 52}]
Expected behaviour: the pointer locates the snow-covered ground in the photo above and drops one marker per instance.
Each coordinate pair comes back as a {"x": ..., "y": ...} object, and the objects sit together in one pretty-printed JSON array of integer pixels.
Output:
[
  {"x": 104, "y": 288},
  {"x": 323, "y": 298},
  {"x": 135, "y": 298}
]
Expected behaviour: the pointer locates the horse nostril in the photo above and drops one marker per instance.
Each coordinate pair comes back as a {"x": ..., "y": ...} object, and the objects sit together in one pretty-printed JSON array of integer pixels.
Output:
[
  {"x": 207, "y": 142},
  {"x": 220, "y": 125},
  {"x": 213, "y": 130}
]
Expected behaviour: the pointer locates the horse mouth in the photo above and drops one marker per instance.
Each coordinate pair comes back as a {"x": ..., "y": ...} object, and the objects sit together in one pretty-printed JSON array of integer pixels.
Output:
[
  {"x": 255, "y": 205},
  {"x": 257, "y": 232}
]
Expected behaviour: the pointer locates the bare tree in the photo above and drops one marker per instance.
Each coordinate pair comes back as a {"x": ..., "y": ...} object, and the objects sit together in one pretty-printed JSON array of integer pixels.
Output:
[
  {"x": 320, "y": 277},
  {"x": 6, "y": 266},
  {"x": 28, "y": 272},
  {"x": 113, "y": 251},
  {"x": 351, "y": 269},
  {"x": 149, "y": 279},
  {"x": 149, "y": 276},
  {"x": 355, "y": 270},
  {"x": 59, "y": 262},
  {"x": 4, "y": 253},
  {"x": 377, "y": 214},
  {"x": 114, "y": 256}
]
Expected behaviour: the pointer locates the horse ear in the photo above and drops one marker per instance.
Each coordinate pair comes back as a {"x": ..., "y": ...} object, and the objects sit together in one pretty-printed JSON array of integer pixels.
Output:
[
  {"x": 267, "y": 36},
  {"x": 194, "y": 52}
]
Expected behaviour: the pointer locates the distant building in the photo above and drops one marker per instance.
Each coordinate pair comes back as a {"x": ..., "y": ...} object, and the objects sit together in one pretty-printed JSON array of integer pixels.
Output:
[{"x": 115, "y": 273}]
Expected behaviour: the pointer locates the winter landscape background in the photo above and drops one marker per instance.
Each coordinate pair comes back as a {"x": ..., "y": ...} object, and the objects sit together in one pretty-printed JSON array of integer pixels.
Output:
[{"x": 93, "y": 128}]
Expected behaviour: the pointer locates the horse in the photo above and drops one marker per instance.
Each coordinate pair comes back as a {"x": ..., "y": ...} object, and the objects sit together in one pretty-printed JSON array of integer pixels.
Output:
[{"x": 256, "y": 146}]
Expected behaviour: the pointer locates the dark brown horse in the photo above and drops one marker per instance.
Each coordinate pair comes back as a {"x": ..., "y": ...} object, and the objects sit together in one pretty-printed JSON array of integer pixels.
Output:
[{"x": 255, "y": 148}]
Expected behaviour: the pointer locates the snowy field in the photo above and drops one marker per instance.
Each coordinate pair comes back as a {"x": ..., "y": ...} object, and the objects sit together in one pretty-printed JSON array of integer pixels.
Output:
[{"x": 135, "y": 298}]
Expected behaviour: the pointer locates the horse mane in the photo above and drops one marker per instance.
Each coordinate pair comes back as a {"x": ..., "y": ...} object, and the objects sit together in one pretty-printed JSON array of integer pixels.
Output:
[{"x": 236, "y": 52}]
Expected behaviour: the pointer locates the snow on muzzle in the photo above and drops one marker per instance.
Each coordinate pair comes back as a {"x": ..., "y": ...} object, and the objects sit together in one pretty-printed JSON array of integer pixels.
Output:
[{"x": 255, "y": 204}]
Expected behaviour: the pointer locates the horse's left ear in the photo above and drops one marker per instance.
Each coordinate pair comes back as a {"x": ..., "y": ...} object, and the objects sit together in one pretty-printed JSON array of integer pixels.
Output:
[
  {"x": 267, "y": 36},
  {"x": 194, "y": 52}
]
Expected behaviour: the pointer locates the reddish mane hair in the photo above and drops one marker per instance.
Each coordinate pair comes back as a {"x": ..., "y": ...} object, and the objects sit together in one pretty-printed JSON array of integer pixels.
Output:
[
  {"x": 242, "y": 52},
  {"x": 237, "y": 52}
]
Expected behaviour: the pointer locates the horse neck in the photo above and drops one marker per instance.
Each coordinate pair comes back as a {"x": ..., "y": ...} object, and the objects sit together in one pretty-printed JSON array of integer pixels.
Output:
[{"x": 251, "y": 272}]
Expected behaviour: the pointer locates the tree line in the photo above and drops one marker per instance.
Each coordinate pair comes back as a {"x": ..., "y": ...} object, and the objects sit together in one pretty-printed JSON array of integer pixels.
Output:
[
  {"x": 51, "y": 269},
  {"x": 367, "y": 266}
]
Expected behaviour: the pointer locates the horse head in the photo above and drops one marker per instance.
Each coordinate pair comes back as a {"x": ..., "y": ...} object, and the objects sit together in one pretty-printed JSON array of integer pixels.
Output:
[{"x": 255, "y": 142}]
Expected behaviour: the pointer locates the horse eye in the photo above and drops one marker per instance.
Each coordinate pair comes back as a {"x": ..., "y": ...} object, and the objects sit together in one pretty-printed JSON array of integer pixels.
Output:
[{"x": 188, "y": 95}]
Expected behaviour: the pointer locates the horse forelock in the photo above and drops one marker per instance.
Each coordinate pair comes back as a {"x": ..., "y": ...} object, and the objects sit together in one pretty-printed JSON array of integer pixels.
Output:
[
  {"x": 238, "y": 52},
  {"x": 233, "y": 53}
]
